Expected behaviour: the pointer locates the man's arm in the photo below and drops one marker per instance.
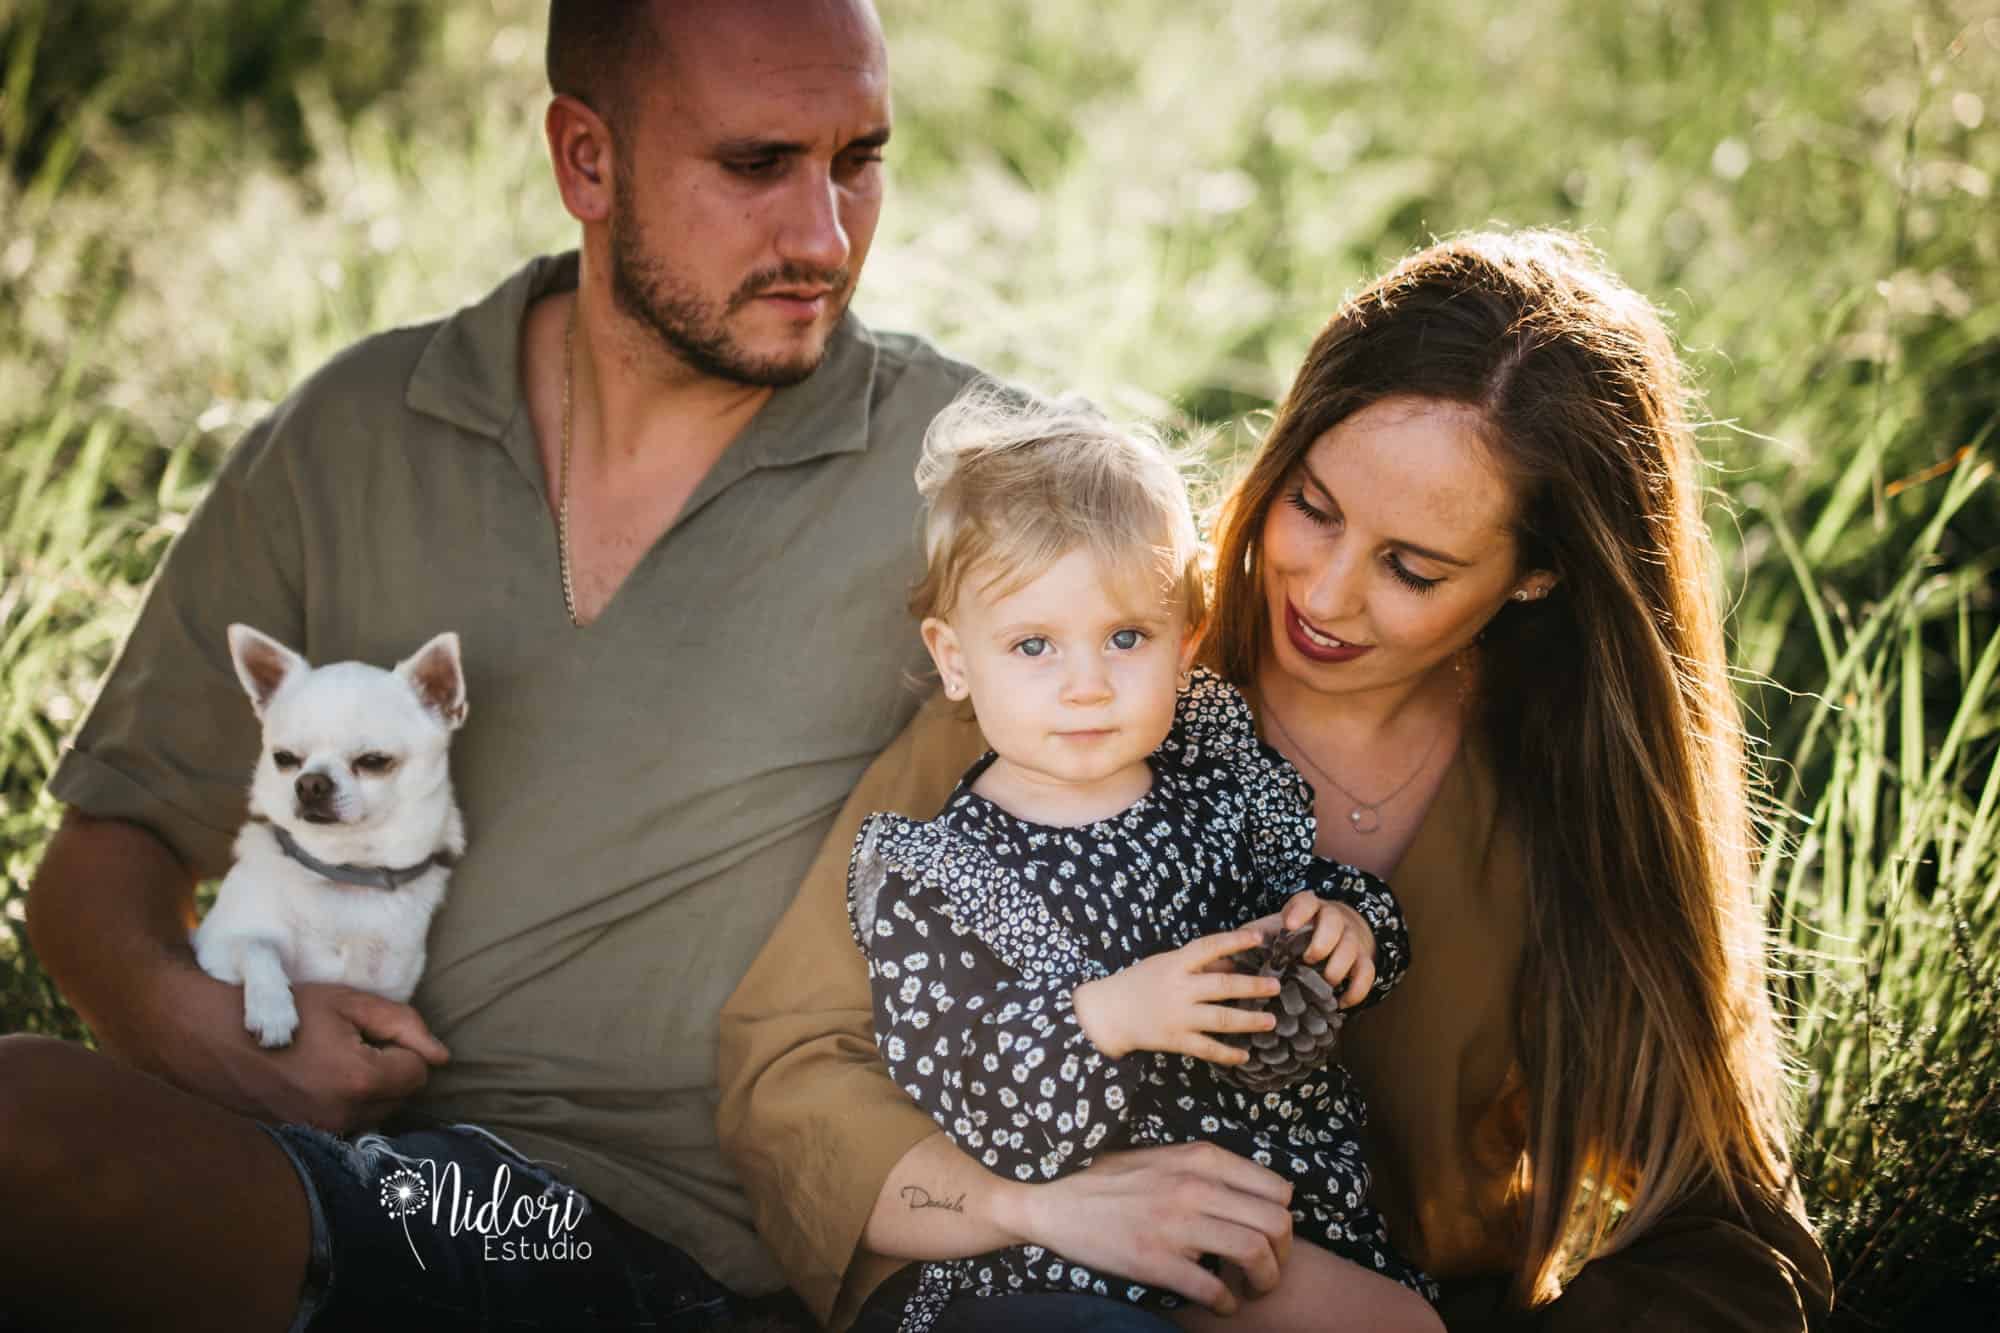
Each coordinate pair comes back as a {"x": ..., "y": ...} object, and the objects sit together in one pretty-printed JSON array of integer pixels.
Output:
[
  {"x": 105, "y": 946},
  {"x": 109, "y": 914},
  {"x": 831, "y": 1152}
]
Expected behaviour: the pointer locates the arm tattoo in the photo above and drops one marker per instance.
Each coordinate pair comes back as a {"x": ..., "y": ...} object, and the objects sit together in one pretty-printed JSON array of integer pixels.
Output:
[{"x": 920, "y": 1197}]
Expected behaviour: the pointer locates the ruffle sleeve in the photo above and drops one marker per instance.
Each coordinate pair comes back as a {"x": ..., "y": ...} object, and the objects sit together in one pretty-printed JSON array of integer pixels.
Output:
[{"x": 973, "y": 980}]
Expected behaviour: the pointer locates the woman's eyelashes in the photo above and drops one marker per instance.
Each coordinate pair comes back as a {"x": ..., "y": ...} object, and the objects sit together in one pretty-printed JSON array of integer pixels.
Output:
[
  {"x": 1414, "y": 582},
  {"x": 1297, "y": 500},
  {"x": 1397, "y": 569}
]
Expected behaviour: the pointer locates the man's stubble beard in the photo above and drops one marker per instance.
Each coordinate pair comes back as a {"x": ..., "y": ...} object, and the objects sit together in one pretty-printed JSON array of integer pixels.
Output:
[{"x": 688, "y": 327}]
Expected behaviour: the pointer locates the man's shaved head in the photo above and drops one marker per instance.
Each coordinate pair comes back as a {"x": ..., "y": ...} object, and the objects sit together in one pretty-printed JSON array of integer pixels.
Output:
[{"x": 595, "y": 46}]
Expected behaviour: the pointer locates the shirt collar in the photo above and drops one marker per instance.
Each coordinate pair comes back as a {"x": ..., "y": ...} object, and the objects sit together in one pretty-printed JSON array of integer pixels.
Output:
[{"x": 469, "y": 376}]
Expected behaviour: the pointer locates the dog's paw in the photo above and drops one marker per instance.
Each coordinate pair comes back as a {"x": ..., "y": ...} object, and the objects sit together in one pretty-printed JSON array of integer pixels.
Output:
[{"x": 271, "y": 1018}]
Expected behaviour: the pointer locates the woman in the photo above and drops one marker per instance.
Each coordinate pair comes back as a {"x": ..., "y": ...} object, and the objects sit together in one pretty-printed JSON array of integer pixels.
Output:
[{"x": 1465, "y": 585}]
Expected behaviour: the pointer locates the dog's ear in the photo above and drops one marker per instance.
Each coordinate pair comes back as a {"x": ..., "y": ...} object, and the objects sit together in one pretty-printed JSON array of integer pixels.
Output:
[
  {"x": 435, "y": 673},
  {"x": 262, "y": 664}
]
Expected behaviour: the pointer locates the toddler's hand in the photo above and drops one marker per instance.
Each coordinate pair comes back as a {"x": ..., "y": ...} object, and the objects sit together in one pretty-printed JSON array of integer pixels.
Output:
[
  {"x": 1340, "y": 936},
  {"x": 1173, "y": 1000}
]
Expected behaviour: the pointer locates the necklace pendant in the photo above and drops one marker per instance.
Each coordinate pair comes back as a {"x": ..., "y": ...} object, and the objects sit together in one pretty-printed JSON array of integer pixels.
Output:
[{"x": 1364, "y": 819}]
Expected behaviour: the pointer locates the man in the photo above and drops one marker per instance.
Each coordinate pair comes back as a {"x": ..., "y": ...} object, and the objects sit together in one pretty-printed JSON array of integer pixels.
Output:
[{"x": 663, "y": 491}]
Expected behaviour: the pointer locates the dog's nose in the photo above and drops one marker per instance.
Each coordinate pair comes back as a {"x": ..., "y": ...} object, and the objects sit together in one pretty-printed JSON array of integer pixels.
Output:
[{"x": 313, "y": 788}]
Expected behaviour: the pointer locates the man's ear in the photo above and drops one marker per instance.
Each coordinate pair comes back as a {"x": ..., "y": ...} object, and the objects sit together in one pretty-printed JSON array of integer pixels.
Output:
[
  {"x": 580, "y": 151},
  {"x": 262, "y": 664},
  {"x": 942, "y": 641},
  {"x": 434, "y": 672}
]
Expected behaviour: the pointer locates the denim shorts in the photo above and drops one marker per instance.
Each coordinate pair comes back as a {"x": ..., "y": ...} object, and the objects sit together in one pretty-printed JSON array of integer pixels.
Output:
[{"x": 449, "y": 1227}]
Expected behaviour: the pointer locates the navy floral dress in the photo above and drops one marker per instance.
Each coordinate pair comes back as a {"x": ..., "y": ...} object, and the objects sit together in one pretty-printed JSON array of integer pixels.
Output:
[{"x": 978, "y": 926}]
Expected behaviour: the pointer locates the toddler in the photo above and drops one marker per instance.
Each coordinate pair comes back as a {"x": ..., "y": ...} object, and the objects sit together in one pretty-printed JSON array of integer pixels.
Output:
[{"x": 1046, "y": 956}]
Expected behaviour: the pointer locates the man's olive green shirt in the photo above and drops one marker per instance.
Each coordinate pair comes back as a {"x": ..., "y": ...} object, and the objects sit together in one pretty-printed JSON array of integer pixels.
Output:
[{"x": 642, "y": 796}]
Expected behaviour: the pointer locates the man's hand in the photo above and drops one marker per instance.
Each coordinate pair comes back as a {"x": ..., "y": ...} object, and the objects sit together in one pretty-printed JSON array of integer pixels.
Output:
[
  {"x": 110, "y": 912},
  {"x": 1172, "y": 1001},
  {"x": 1150, "y": 1214},
  {"x": 1340, "y": 936},
  {"x": 354, "y": 1057}
]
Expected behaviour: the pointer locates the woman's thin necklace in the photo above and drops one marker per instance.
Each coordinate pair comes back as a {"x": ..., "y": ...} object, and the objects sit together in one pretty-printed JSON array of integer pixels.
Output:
[
  {"x": 562, "y": 505},
  {"x": 1366, "y": 816}
]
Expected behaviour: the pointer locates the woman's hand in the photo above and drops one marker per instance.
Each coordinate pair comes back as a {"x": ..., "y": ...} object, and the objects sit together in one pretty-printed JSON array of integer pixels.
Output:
[
  {"x": 1151, "y": 1213},
  {"x": 1148, "y": 1214},
  {"x": 1173, "y": 1000},
  {"x": 1340, "y": 936}
]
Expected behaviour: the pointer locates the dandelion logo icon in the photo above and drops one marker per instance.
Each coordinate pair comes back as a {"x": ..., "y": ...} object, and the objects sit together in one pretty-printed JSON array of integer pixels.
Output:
[{"x": 403, "y": 1193}]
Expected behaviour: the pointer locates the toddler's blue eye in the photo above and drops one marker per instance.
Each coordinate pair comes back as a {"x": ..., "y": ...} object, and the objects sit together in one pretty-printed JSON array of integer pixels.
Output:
[
  {"x": 1128, "y": 639},
  {"x": 1034, "y": 647}
]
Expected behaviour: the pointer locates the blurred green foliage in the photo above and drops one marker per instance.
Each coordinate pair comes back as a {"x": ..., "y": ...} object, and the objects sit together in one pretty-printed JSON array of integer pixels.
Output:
[
  {"x": 76, "y": 69},
  {"x": 1157, "y": 203}
]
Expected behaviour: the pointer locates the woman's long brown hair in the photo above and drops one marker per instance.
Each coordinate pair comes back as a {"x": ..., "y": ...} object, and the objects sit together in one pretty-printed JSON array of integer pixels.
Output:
[{"x": 1646, "y": 1032}]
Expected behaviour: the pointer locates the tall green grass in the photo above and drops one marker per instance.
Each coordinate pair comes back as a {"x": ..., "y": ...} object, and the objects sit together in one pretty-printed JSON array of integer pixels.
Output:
[{"x": 1157, "y": 204}]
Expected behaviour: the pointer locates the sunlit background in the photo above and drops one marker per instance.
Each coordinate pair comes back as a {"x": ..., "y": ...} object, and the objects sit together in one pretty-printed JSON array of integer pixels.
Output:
[{"x": 1157, "y": 202}]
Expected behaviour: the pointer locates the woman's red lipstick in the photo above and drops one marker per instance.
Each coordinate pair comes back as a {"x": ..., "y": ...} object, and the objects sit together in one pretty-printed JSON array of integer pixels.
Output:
[{"x": 1318, "y": 652}]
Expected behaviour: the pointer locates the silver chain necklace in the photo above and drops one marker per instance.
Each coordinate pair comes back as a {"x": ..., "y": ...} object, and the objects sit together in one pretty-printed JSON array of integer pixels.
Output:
[
  {"x": 1366, "y": 815},
  {"x": 562, "y": 508}
]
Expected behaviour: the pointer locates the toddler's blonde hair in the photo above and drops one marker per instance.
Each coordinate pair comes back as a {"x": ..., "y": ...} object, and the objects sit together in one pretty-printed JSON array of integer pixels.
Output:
[{"x": 1014, "y": 483}]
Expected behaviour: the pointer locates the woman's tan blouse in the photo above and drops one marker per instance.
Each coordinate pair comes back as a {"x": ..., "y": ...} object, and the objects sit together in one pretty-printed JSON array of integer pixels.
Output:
[{"x": 813, "y": 1125}]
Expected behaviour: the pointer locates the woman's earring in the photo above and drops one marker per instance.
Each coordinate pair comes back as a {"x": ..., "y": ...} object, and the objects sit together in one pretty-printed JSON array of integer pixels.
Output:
[{"x": 1520, "y": 595}]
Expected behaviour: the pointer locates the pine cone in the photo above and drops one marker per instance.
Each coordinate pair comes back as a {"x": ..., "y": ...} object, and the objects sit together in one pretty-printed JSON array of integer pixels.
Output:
[{"x": 1308, "y": 1013}]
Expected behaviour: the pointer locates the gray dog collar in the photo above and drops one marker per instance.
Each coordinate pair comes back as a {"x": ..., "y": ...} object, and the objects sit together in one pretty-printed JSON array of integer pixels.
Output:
[{"x": 366, "y": 877}]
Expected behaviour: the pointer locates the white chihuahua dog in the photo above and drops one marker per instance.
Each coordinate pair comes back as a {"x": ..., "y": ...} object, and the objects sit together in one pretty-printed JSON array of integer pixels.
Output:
[{"x": 352, "y": 830}]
